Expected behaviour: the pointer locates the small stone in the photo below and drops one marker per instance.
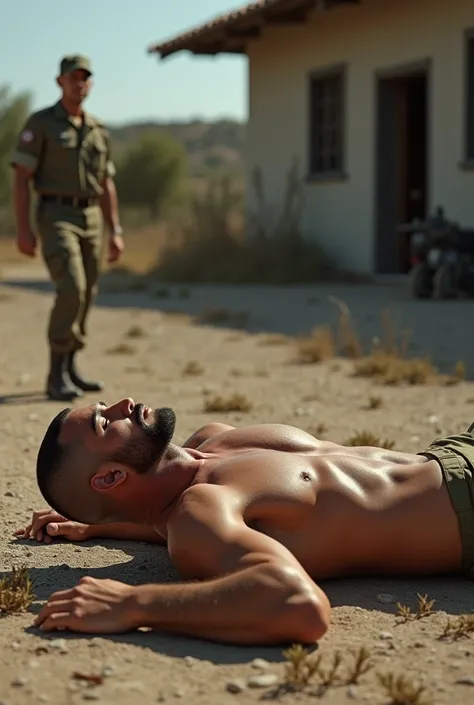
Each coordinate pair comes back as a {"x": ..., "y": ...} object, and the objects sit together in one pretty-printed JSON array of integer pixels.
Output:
[
  {"x": 9, "y": 494},
  {"x": 64, "y": 566},
  {"x": 237, "y": 686},
  {"x": 33, "y": 663},
  {"x": 260, "y": 663},
  {"x": 108, "y": 671},
  {"x": 190, "y": 660},
  {"x": 19, "y": 682},
  {"x": 352, "y": 692},
  {"x": 419, "y": 644},
  {"x": 264, "y": 680},
  {"x": 33, "y": 417},
  {"x": 91, "y": 695},
  {"x": 385, "y": 636},
  {"x": 16, "y": 646},
  {"x": 385, "y": 598},
  {"x": 43, "y": 698},
  {"x": 59, "y": 645},
  {"x": 466, "y": 680},
  {"x": 178, "y": 693}
]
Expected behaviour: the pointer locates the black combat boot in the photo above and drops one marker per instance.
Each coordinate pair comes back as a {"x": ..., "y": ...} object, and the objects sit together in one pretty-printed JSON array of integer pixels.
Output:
[
  {"x": 78, "y": 380},
  {"x": 59, "y": 385}
]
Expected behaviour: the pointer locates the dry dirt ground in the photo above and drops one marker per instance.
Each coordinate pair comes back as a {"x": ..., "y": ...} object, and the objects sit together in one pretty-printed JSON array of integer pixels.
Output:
[{"x": 149, "y": 366}]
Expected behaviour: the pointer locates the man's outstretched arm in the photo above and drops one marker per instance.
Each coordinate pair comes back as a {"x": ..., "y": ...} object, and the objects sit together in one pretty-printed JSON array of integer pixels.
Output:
[
  {"x": 46, "y": 525},
  {"x": 251, "y": 591}
]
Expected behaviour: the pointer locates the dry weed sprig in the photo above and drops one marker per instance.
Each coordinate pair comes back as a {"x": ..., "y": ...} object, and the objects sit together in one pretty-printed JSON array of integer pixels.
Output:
[
  {"x": 193, "y": 368},
  {"x": 348, "y": 339},
  {"x": 455, "y": 629},
  {"x": 360, "y": 666},
  {"x": 402, "y": 691},
  {"x": 16, "y": 592},
  {"x": 121, "y": 349},
  {"x": 317, "y": 347},
  {"x": 374, "y": 403},
  {"x": 236, "y": 402},
  {"x": 367, "y": 438},
  {"x": 300, "y": 666},
  {"x": 424, "y": 609},
  {"x": 329, "y": 677},
  {"x": 136, "y": 331}
]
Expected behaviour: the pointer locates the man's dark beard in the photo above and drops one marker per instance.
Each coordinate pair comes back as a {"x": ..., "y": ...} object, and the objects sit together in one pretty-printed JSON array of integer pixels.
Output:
[{"x": 142, "y": 454}]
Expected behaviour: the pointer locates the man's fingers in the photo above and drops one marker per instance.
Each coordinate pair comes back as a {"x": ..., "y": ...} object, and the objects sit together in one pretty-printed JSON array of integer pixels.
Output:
[{"x": 59, "y": 620}]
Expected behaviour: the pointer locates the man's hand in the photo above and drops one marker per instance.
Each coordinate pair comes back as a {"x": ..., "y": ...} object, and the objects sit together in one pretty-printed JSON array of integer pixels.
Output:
[
  {"x": 48, "y": 524},
  {"x": 116, "y": 248},
  {"x": 93, "y": 606},
  {"x": 26, "y": 243}
]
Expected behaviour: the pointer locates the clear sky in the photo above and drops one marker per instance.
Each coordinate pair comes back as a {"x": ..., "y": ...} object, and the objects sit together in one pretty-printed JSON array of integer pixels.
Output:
[{"x": 129, "y": 84}]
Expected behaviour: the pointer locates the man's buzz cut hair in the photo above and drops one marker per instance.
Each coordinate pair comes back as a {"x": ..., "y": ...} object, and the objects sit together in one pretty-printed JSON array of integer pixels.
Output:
[{"x": 50, "y": 460}]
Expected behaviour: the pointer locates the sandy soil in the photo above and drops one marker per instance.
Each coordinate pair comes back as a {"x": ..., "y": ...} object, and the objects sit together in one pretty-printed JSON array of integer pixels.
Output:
[{"x": 159, "y": 668}]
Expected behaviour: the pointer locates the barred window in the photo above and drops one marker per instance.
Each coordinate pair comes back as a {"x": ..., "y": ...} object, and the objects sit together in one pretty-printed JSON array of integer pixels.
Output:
[{"x": 326, "y": 122}]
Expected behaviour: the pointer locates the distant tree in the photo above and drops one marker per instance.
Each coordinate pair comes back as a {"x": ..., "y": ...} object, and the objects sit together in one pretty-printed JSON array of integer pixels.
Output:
[
  {"x": 151, "y": 172},
  {"x": 14, "y": 110}
]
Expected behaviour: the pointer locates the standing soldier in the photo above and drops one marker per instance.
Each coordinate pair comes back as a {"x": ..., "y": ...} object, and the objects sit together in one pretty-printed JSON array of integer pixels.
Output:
[{"x": 66, "y": 153}]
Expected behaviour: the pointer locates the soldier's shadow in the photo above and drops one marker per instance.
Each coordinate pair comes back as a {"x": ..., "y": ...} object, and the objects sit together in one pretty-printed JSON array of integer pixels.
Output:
[{"x": 20, "y": 398}]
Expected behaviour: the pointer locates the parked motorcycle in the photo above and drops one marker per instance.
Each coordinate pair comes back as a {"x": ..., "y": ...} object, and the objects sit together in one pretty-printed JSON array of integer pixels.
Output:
[{"x": 441, "y": 257}]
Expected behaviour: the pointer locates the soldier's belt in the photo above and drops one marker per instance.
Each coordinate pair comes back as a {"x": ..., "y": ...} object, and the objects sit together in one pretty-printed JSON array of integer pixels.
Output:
[{"x": 74, "y": 201}]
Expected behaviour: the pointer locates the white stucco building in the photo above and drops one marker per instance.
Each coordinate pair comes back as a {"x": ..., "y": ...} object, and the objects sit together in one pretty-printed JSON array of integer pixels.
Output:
[{"x": 376, "y": 100}]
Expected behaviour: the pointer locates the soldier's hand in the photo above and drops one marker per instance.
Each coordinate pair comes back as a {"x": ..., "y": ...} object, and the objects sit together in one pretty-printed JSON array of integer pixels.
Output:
[
  {"x": 116, "y": 248},
  {"x": 26, "y": 243}
]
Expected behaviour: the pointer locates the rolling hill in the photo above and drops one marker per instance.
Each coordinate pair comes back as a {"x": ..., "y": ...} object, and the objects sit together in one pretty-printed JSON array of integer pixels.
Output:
[{"x": 210, "y": 146}]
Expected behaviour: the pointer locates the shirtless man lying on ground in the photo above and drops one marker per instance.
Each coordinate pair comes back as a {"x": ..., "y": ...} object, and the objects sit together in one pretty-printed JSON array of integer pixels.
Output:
[{"x": 252, "y": 518}]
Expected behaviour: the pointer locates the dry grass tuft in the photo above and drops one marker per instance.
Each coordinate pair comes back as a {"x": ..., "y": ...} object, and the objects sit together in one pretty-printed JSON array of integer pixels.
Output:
[
  {"x": 317, "y": 347},
  {"x": 459, "y": 375},
  {"x": 348, "y": 341},
  {"x": 402, "y": 691},
  {"x": 236, "y": 402},
  {"x": 121, "y": 349},
  {"x": 300, "y": 666},
  {"x": 455, "y": 629},
  {"x": 389, "y": 369},
  {"x": 361, "y": 665},
  {"x": 274, "y": 339},
  {"x": 424, "y": 609},
  {"x": 16, "y": 592},
  {"x": 193, "y": 369},
  {"x": 367, "y": 438},
  {"x": 221, "y": 316},
  {"x": 177, "y": 316},
  {"x": 374, "y": 403},
  {"x": 136, "y": 331}
]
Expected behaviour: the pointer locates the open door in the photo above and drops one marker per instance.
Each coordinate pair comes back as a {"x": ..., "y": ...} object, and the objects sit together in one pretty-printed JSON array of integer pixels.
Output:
[{"x": 401, "y": 163}]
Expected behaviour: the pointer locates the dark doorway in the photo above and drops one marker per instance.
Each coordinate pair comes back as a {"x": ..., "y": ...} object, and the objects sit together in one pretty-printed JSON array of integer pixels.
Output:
[{"x": 401, "y": 163}]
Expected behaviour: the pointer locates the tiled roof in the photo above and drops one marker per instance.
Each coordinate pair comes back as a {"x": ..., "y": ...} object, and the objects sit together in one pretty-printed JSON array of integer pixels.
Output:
[{"x": 213, "y": 36}]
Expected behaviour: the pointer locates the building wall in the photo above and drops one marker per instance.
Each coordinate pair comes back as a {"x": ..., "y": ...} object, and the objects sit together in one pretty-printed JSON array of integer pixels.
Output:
[{"x": 374, "y": 36}]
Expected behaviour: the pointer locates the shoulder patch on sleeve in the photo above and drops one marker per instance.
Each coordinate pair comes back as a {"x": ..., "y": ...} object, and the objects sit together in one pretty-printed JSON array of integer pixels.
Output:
[{"x": 27, "y": 136}]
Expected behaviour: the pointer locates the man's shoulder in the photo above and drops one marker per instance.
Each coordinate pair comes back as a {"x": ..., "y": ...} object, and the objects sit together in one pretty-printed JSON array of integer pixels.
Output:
[{"x": 39, "y": 116}]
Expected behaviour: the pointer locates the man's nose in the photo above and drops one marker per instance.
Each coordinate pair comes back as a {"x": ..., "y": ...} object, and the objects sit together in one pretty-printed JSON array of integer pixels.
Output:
[{"x": 122, "y": 409}]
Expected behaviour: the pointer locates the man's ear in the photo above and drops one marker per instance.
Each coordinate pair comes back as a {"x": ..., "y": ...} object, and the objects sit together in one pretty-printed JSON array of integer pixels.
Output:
[{"x": 108, "y": 477}]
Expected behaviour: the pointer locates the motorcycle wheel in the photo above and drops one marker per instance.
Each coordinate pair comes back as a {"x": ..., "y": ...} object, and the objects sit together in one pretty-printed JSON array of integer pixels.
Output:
[
  {"x": 444, "y": 283},
  {"x": 421, "y": 282}
]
